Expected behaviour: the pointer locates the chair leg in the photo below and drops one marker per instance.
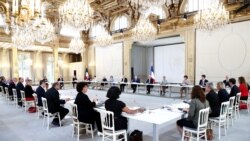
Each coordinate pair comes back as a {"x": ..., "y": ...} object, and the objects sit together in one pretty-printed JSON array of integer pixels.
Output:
[
  {"x": 91, "y": 130},
  {"x": 219, "y": 130},
  {"x": 114, "y": 137},
  {"x": 183, "y": 135},
  {"x": 48, "y": 122},
  {"x": 59, "y": 118},
  {"x": 102, "y": 137},
  {"x": 43, "y": 119},
  {"x": 205, "y": 136},
  {"x": 125, "y": 136},
  {"x": 225, "y": 130},
  {"x": 78, "y": 132}
]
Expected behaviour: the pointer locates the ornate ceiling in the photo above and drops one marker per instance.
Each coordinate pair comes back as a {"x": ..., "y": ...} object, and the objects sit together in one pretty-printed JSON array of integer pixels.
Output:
[{"x": 107, "y": 10}]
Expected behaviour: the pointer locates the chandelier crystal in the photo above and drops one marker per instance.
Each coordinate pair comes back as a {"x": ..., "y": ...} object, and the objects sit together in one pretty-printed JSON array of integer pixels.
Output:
[
  {"x": 76, "y": 14},
  {"x": 211, "y": 18},
  {"x": 44, "y": 30},
  {"x": 144, "y": 30},
  {"x": 77, "y": 46},
  {"x": 103, "y": 38},
  {"x": 146, "y": 3},
  {"x": 23, "y": 37}
]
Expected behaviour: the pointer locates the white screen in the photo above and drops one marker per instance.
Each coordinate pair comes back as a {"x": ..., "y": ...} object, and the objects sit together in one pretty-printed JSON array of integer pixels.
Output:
[
  {"x": 170, "y": 61},
  {"x": 109, "y": 61}
]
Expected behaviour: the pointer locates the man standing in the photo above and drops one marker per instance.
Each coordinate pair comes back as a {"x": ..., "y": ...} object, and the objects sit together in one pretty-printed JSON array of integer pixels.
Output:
[
  {"x": 19, "y": 87},
  {"x": 54, "y": 103},
  {"x": 41, "y": 92}
]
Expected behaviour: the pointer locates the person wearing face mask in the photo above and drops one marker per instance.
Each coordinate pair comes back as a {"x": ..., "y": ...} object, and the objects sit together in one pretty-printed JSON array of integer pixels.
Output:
[
  {"x": 85, "y": 107},
  {"x": 41, "y": 92},
  {"x": 54, "y": 103}
]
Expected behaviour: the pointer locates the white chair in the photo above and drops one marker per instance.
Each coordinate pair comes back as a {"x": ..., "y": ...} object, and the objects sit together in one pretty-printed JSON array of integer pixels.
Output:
[
  {"x": 222, "y": 119},
  {"x": 39, "y": 109},
  {"x": 15, "y": 97},
  {"x": 2, "y": 91},
  {"x": 230, "y": 111},
  {"x": 108, "y": 127},
  {"x": 26, "y": 102},
  {"x": 80, "y": 125},
  {"x": 200, "y": 131},
  {"x": 47, "y": 115},
  {"x": 8, "y": 97},
  {"x": 237, "y": 106}
]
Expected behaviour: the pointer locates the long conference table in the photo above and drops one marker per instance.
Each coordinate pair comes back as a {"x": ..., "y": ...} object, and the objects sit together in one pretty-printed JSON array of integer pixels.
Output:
[
  {"x": 169, "y": 85},
  {"x": 160, "y": 116}
]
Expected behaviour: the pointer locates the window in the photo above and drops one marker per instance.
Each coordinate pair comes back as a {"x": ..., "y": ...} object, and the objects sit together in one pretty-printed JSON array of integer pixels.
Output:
[
  {"x": 121, "y": 22},
  {"x": 94, "y": 30},
  {"x": 24, "y": 65},
  {"x": 195, "y": 5}
]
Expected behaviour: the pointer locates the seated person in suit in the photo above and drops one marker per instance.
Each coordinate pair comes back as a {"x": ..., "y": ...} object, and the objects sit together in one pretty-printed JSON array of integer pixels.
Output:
[
  {"x": 124, "y": 80},
  {"x": 163, "y": 87},
  {"x": 60, "y": 80},
  {"x": 12, "y": 85},
  {"x": 46, "y": 83},
  {"x": 234, "y": 89},
  {"x": 222, "y": 93},
  {"x": 198, "y": 102},
  {"x": 111, "y": 80},
  {"x": 104, "y": 79},
  {"x": 114, "y": 105},
  {"x": 134, "y": 86},
  {"x": 203, "y": 80},
  {"x": 74, "y": 81},
  {"x": 184, "y": 82},
  {"x": 85, "y": 107},
  {"x": 226, "y": 82},
  {"x": 54, "y": 103},
  {"x": 148, "y": 82},
  {"x": 28, "y": 90},
  {"x": 213, "y": 100},
  {"x": 19, "y": 87},
  {"x": 40, "y": 91},
  {"x": 243, "y": 88},
  {"x": 4, "y": 84}
]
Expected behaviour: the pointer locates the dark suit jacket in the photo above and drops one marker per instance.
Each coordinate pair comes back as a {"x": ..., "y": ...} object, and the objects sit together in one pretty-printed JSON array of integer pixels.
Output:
[
  {"x": 234, "y": 90},
  {"x": 19, "y": 87},
  {"x": 223, "y": 96},
  {"x": 213, "y": 100},
  {"x": 11, "y": 86},
  {"x": 136, "y": 80},
  {"x": 74, "y": 80},
  {"x": 201, "y": 84},
  {"x": 226, "y": 83},
  {"x": 151, "y": 81},
  {"x": 53, "y": 100},
  {"x": 85, "y": 107},
  {"x": 28, "y": 91},
  {"x": 40, "y": 93}
]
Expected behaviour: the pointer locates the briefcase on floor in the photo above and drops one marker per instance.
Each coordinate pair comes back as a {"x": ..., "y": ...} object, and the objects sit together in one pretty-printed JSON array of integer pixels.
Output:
[{"x": 136, "y": 135}]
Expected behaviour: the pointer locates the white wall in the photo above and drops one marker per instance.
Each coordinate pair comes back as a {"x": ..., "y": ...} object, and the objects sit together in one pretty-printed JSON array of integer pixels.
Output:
[
  {"x": 170, "y": 61},
  {"x": 142, "y": 60},
  {"x": 224, "y": 52},
  {"x": 109, "y": 61}
]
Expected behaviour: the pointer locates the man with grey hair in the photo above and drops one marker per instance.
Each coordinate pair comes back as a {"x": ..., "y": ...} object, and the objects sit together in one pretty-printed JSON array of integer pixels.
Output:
[
  {"x": 54, "y": 103},
  {"x": 213, "y": 100}
]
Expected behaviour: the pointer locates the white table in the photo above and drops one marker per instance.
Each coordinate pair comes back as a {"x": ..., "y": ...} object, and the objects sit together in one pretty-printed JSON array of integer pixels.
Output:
[{"x": 156, "y": 117}]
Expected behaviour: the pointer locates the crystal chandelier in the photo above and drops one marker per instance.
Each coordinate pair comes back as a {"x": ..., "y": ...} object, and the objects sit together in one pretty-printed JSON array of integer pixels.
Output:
[
  {"x": 44, "y": 30},
  {"x": 146, "y": 3},
  {"x": 20, "y": 22},
  {"x": 144, "y": 30},
  {"x": 103, "y": 38},
  {"x": 211, "y": 18},
  {"x": 76, "y": 14},
  {"x": 23, "y": 38},
  {"x": 76, "y": 45}
]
